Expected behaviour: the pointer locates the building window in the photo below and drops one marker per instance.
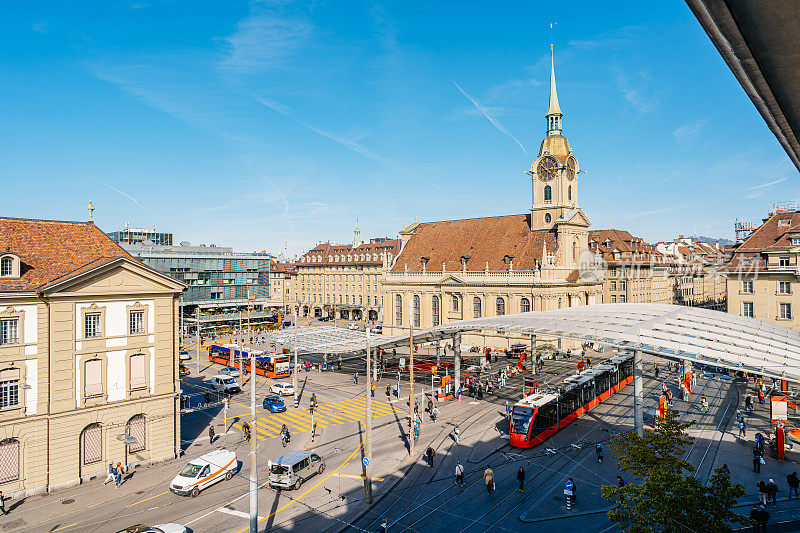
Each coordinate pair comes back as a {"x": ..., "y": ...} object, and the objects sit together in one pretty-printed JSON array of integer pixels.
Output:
[
  {"x": 501, "y": 307},
  {"x": 137, "y": 372},
  {"x": 795, "y": 241},
  {"x": 92, "y": 437},
  {"x": 6, "y": 266},
  {"x": 476, "y": 307},
  {"x": 784, "y": 287},
  {"x": 747, "y": 287},
  {"x": 136, "y": 322},
  {"x": 136, "y": 429},
  {"x": 783, "y": 261},
  {"x": 548, "y": 193},
  {"x": 785, "y": 311},
  {"x": 435, "y": 310},
  {"x": 9, "y": 460},
  {"x": 613, "y": 285},
  {"x": 613, "y": 298},
  {"x": 9, "y": 388},
  {"x": 9, "y": 331},
  {"x": 622, "y": 298},
  {"x": 747, "y": 309},
  {"x": 455, "y": 303},
  {"x": 622, "y": 285},
  {"x": 569, "y": 192},
  {"x": 93, "y": 378},
  {"x": 416, "y": 311},
  {"x": 398, "y": 310},
  {"x": 91, "y": 327},
  {"x": 525, "y": 305}
]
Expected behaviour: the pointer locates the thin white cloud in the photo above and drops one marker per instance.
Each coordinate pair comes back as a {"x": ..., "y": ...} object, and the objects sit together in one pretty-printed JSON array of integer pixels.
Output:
[
  {"x": 765, "y": 185},
  {"x": 123, "y": 193},
  {"x": 655, "y": 212},
  {"x": 688, "y": 131},
  {"x": 347, "y": 143},
  {"x": 264, "y": 40},
  {"x": 502, "y": 129},
  {"x": 41, "y": 27},
  {"x": 633, "y": 94}
]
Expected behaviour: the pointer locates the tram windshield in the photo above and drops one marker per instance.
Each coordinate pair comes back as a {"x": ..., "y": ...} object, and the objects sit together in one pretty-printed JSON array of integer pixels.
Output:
[{"x": 521, "y": 419}]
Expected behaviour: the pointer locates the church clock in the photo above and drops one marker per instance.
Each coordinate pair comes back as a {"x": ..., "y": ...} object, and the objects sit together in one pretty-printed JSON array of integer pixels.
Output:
[
  {"x": 546, "y": 169},
  {"x": 572, "y": 167}
]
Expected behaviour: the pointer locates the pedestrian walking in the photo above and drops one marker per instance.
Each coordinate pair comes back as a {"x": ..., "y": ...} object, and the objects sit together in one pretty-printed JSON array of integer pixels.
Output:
[
  {"x": 434, "y": 414},
  {"x": 372, "y": 390},
  {"x": 430, "y": 453},
  {"x": 762, "y": 492},
  {"x": 211, "y": 434},
  {"x": 742, "y": 429},
  {"x": 118, "y": 476},
  {"x": 772, "y": 492},
  {"x": 760, "y": 517},
  {"x": 459, "y": 474},
  {"x": 794, "y": 484},
  {"x": 655, "y": 371},
  {"x": 488, "y": 477},
  {"x": 704, "y": 403},
  {"x": 748, "y": 403},
  {"x": 508, "y": 409},
  {"x": 355, "y": 378},
  {"x": 430, "y": 405},
  {"x": 3, "y": 503},
  {"x": 620, "y": 481},
  {"x": 110, "y": 476},
  {"x": 756, "y": 461},
  {"x": 761, "y": 396},
  {"x": 521, "y": 479},
  {"x": 599, "y": 450},
  {"x": 457, "y": 432}
]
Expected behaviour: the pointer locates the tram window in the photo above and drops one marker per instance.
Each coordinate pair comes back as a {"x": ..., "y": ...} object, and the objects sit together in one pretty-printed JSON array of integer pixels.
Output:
[
  {"x": 572, "y": 400},
  {"x": 601, "y": 383},
  {"x": 545, "y": 417},
  {"x": 613, "y": 377},
  {"x": 261, "y": 364},
  {"x": 521, "y": 419},
  {"x": 588, "y": 392},
  {"x": 626, "y": 369}
]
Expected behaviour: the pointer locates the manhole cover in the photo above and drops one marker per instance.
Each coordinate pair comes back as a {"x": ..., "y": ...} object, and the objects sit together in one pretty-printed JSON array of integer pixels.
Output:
[
  {"x": 14, "y": 524},
  {"x": 68, "y": 501},
  {"x": 139, "y": 492}
]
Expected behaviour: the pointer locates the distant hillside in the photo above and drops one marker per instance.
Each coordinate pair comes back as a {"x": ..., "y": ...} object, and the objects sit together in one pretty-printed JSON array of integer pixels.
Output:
[{"x": 703, "y": 238}]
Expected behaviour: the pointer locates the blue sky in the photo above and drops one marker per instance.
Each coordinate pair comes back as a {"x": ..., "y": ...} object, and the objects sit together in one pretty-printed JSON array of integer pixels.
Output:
[{"x": 245, "y": 124}]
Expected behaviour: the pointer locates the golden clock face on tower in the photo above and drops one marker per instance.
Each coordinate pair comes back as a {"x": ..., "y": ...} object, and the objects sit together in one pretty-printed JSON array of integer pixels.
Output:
[
  {"x": 572, "y": 167},
  {"x": 546, "y": 169}
]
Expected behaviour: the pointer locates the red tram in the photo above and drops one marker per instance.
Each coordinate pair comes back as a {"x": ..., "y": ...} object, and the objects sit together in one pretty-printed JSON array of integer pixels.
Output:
[
  {"x": 272, "y": 365},
  {"x": 538, "y": 416}
]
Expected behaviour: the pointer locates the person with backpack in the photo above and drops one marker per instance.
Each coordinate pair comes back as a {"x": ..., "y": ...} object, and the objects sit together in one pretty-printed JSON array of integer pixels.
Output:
[
  {"x": 794, "y": 484},
  {"x": 488, "y": 477},
  {"x": 459, "y": 474}
]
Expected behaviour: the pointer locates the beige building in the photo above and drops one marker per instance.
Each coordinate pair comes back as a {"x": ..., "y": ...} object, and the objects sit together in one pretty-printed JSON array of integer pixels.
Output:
[
  {"x": 344, "y": 280},
  {"x": 764, "y": 274},
  {"x": 88, "y": 365},
  {"x": 458, "y": 269}
]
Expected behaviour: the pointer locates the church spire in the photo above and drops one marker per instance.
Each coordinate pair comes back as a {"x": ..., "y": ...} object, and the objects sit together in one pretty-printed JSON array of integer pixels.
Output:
[{"x": 554, "y": 114}]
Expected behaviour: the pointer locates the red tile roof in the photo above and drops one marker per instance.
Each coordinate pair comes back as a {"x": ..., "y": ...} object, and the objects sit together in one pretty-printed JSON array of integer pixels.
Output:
[
  {"x": 774, "y": 235},
  {"x": 52, "y": 251},
  {"x": 322, "y": 252},
  {"x": 484, "y": 240}
]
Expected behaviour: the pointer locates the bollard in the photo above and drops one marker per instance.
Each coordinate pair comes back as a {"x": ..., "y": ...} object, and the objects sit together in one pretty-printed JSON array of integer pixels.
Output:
[{"x": 568, "y": 492}]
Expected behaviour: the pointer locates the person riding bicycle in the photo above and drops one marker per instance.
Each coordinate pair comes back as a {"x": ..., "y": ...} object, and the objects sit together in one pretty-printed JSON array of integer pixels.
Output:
[
  {"x": 313, "y": 399},
  {"x": 285, "y": 432}
]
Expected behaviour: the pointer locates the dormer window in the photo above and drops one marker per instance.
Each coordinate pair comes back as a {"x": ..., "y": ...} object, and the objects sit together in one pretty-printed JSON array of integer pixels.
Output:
[
  {"x": 9, "y": 265},
  {"x": 795, "y": 241}
]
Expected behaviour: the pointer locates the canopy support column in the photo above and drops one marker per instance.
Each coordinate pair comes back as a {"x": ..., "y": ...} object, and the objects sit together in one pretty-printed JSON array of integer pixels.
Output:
[
  {"x": 457, "y": 362},
  {"x": 638, "y": 414}
]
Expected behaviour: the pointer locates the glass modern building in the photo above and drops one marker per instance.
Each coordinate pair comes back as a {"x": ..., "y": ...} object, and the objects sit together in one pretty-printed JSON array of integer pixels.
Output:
[
  {"x": 217, "y": 276},
  {"x": 139, "y": 235}
]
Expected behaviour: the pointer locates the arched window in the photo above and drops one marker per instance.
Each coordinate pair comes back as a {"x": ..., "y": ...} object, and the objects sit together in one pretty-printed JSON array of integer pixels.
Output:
[
  {"x": 9, "y": 460},
  {"x": 548, "y": 193},
  {"x": 455, "y": 302},
  {"x": 6, "y": 266},
  {"x": 435, "y": 310},
  {"x": 476, "y": 307},
  {"x": 501, "y": 307},
  {"x": 525, "y": 305},
  {"x": 92, "y": 443},
  {"x": 398, "y": 310},
  {"x": 569, "y": 192},
  {"x": 574, "y": 251},
  {"x": 136, "y": 429},
  {"x": 416, "y": 311}
]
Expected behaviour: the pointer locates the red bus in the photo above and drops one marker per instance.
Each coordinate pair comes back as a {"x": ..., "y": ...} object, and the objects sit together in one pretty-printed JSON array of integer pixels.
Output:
[
  {"x": 538, "y": 416},
  {"x": 272, "y": 366}
]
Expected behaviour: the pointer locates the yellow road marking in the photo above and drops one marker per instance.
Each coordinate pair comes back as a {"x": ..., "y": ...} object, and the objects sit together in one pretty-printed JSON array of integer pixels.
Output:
[
  {"x": 335, "y": 415},
  {"x": 62, "y": 527},
  {"x": 351, "y": 476},
  {"x": 376, "y": 407},
  {"x": 146, "y": 499},
  {"x": 298, "y": 419},
  {"x": 296, "y": 498},
  {"x": 350, "y": 412}
]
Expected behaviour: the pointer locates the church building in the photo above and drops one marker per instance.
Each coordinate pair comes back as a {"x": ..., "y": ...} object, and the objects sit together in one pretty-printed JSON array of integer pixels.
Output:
[{"x": 459, "y": 269}]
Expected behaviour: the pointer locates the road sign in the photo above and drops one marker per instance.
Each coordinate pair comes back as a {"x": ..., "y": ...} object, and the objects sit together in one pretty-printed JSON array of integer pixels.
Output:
[
  {"x": 569, "y": 485},
  {"x": 366, "y": 461},
  {"x": 568, "y": 492},
  {"x": 402, "y": 361}
]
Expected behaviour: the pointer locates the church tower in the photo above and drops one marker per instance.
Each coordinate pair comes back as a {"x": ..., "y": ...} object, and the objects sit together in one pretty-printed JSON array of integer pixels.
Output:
[
  {"x": 357, "y": 236},
  {"x": 554, "y": 173}
]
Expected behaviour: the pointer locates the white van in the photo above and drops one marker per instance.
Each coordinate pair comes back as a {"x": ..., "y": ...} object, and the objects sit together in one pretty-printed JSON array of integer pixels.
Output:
[
  {"x": 293, "y": 468},
  {"x": 204, "y": 471},
  {"x": 225, "y": 384}
]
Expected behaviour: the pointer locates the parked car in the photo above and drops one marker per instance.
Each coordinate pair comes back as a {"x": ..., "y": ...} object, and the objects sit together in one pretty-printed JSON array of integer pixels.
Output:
[
  {"x": 352, "y": 326},
  {"x": 284, "y": 389},
  {"x": 183, "y": 355},
  {"x": 274, "y": 404},
  {"x": 225, "y": 384},
  {"x": 160, "y": 528},
  {"x": 377, "y": 329},
  {"x": 182, "y": 370},
  {"x": 230, "y": 371},
  {"x": 271, "y": 319},
  {"x": 293, "y": 468},
  {"x": 204, "y": 471}
]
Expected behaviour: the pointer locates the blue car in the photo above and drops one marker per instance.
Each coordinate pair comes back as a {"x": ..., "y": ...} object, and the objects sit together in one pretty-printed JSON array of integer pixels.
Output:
[{"x": 274, "y": 404}]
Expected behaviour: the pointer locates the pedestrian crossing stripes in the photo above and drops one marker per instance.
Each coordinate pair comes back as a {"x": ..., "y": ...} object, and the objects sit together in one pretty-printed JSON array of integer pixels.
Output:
[{"x": 326, "y": 414}]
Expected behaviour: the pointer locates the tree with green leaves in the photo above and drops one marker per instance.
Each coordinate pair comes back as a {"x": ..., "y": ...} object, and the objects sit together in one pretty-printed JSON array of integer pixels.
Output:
[{"x": 669, "y": 498}]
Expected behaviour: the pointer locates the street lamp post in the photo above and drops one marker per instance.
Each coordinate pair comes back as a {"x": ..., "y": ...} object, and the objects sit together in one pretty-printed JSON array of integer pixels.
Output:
[
  {"x": 294, "y": 369},
  {"x": 411, "y": 375},
  {"x": 253, "y": 461},
  {"x": 197, "y": 359},
  {"x": 368, "y": 451}
]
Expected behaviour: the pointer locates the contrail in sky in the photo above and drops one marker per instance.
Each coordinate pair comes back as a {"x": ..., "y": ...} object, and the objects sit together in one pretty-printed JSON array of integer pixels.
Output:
[
  {"x": 123, "y": 193},
  {"x": 491, "y": 119}
]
